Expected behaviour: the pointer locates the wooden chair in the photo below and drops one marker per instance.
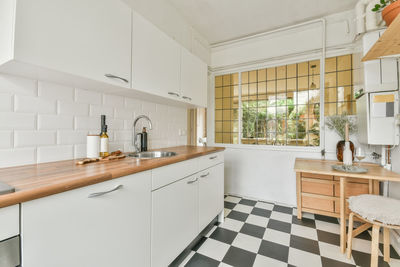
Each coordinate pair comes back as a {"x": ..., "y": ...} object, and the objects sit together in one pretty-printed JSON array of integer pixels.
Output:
[{"x": 375, "y": 211}]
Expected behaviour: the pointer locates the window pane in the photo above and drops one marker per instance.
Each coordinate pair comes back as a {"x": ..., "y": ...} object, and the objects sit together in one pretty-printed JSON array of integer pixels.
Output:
[{"x": 226, "y": 108}]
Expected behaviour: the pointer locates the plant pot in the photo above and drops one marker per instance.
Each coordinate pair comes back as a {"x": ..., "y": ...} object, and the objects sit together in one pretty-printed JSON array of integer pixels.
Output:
[
  {"x": 390, "y": 12},
  {"x": 340, "y": 148}
]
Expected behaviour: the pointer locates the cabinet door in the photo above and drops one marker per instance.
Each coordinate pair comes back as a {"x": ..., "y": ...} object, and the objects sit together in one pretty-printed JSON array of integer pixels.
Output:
[
  {"x": 174, "y": 220},
  {"x": 72, "y": 229},
  {"x": 193, "y": 79},
  {"x": 155, "y": 60},
  {"x": 211, "y": 194},
  {"x": 87, "y": 38}
]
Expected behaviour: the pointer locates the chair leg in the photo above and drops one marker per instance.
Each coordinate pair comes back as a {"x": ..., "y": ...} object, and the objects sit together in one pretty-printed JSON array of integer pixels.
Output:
[
  {"x": 386, "y": 244},
  {"x": 350, "y": 235},
  {"x": 375, "y": 245}
]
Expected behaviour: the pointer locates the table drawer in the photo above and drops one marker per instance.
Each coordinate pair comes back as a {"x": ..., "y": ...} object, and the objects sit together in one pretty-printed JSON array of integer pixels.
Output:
[
  {"x": 353, "y": 180},
  {"x": 317, "y": 203},
  {"x": 316, "y": 176},
  {"x": 317, "y": 188},
  {"x": 352, "y": 189},
  {"x": 337, "y": 207}
]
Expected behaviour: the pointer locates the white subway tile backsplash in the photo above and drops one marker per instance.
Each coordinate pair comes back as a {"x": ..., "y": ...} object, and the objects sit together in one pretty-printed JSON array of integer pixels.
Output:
[
  {"x": 98, "y": 110},
  {"x": 123, "y": 135},
  {"x": 34, "y": 138},
  {"x": 71, "y": 137},
  {"x": 35, "y": 104},
  {"x": 48, "y": 122},
  {"x": 89, "y": 97},
  {"x": 41, "y": 121},
  {"x": 12, "y": 120},
  {"x": 88, "y": 123},
  {"x": 73, "y": 108},
  {"x": 6, "y": 102},
  {"x": 54, "y": 153},
  {"x": 55, "y": 91},
  {"x": 123, "y": 113},
  {"x": 80, "y": 151},
  {"x": 6, "y": 139},
  {"x": 113, "y": 100},
  {"x": 18, "y": 156},
  {"x": 17, "y": 85}
]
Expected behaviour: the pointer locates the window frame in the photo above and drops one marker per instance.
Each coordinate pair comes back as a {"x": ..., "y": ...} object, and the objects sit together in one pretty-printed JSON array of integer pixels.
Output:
[{"x": 276, "y": 63}]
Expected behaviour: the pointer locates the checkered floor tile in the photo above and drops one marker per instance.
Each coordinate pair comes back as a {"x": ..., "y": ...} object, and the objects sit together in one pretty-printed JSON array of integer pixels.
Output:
[{"x": 257, "y": 233}]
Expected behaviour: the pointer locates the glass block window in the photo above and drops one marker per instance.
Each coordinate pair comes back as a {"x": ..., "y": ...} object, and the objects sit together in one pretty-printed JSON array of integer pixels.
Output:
[
  {"x": 227, "y": 108},
  {"x": 280, "y": 105},
  {"x": 339, "y": 95}
]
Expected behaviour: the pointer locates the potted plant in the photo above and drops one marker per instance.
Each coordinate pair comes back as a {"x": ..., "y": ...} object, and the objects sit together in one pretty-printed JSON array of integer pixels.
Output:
[
  {"x": 338, "y": 124},
  {"x": 390, "y": 9}
]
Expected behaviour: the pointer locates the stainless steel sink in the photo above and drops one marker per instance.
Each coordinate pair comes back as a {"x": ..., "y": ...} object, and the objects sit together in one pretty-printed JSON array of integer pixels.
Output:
[{"x": 152, "y": 154}]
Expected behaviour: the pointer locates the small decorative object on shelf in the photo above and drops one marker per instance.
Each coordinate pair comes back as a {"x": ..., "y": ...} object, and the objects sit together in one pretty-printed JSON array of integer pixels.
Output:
[
  {"x": 390, "y": 10},
  {"x": 338, "y": 124}
]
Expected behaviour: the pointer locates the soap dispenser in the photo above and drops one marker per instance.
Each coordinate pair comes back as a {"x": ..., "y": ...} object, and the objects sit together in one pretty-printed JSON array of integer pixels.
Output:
[{"x": 143, "y": 139}]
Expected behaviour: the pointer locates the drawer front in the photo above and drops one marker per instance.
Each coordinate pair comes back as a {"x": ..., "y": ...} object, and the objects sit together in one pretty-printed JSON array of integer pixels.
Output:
[
  {"x": 316, "y": 176},
  {"x": 353, "y": 180},
  {"x": 337, "y": 207},
  {"x": 317, "y": 203},
  {"x": 317, "y": 188},
  {"x": 174, "y": 172},
  {"x": 352, "y": 189},
  {"x": 210, "y": 160},
  {"x": 9, "y": 222}
]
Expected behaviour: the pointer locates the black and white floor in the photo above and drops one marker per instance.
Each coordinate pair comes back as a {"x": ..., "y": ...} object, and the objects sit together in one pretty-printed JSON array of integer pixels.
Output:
[{"x": 257, "y": 233}]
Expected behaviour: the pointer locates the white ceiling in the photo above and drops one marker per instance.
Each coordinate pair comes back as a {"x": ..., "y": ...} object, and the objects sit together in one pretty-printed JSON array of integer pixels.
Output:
[{"x": 222, "y": 20}]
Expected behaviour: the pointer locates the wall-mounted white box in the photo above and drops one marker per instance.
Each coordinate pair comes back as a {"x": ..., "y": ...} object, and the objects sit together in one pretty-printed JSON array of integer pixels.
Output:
[
  {"x": 381, "y": 74},
  {"x": 377, "y": 118}
]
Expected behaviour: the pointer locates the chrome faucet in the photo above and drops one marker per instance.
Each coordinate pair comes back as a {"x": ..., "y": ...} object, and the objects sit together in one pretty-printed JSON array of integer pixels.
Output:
[{"x": 134, "y": 138}]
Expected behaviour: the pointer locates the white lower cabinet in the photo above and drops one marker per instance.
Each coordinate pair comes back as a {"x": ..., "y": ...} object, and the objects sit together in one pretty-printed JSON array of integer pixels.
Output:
[
  {"x": 106, "y": 224},
  {"x": 211, "y": 194},
  {"x": 174, "y": 219}
]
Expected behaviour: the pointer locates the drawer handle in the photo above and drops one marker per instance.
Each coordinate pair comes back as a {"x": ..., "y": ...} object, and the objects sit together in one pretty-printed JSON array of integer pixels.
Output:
[
  {"x": 187, "y": 98},
  {"x": 214, "y": 157},
  {"x": 173, "y": 93},
  {"x": 112, "y": 76},
  {"x": 193, "y": 181},
  {"x": 205, "y": 175},
  {"x": 105, "y": 192}
]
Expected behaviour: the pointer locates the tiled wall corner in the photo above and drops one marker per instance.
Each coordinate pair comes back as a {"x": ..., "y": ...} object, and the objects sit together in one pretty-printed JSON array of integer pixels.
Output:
[{"x": 43, "y": 122}]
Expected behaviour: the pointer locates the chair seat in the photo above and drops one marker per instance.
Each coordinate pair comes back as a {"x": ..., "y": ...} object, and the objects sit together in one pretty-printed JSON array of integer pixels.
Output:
[{"x": 376, "y": 208}]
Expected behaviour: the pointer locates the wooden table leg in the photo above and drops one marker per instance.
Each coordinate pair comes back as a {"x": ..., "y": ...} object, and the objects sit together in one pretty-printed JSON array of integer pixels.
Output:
[
  {"x": 342, "y": 214},
  {"x": 298, "y": 189}
]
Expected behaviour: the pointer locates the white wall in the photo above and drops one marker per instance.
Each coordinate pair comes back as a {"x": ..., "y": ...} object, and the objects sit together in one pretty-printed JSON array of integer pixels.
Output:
[
  {"x": 166, "y": 17},
  {"x": 264, "y": 172},
  {"x": 42, "y": 122}
]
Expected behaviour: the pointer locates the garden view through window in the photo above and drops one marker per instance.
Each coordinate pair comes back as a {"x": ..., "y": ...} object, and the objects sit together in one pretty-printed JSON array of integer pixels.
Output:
[{"x": 281, "y": 105}]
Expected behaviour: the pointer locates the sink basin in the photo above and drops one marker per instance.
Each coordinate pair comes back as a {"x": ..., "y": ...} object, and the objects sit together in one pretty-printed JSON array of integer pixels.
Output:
[{"x": 152, "y": 154}]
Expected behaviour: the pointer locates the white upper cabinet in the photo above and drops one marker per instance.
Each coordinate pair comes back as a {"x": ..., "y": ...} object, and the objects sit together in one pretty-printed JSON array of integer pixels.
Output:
[
  {"x": 193, "y": 79},
  {"x": 85, "y": 38},
  {"x": 380, "y": 74},
  {"x": 155, "y": 60}
]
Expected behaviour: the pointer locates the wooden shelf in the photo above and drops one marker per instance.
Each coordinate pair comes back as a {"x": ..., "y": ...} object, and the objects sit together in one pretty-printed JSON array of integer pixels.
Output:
[{"x": 388, "y": 44}]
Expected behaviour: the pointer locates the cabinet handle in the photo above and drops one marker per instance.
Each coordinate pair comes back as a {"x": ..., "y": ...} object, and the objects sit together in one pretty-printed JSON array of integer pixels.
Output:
[
  {"x": 214, "y": 157},
  {"x": 187, "y": 98},
  {"x": 205, "y": 175},
  {"x": 105, "y": 192},
  {"x": 173, "y": 93},
  {"x": 193, "y": 181},
  {"x": 111, "y": 76}
]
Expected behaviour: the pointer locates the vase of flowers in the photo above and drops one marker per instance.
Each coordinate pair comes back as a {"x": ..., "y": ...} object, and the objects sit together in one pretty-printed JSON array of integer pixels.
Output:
[
  {"x": 390, "y": 10},
  {"x": 338, "y": 124}
]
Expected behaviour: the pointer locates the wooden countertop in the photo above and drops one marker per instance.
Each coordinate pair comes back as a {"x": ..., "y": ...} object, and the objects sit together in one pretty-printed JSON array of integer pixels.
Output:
[
  {"x": 40, "y": 180},
  {"x": 375, "y": 171}
]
